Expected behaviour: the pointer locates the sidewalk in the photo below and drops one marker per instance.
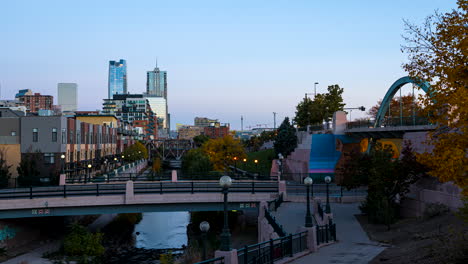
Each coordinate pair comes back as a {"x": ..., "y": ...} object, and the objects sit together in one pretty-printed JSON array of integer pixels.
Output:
[
  {"x": 353, "y": 245},
  {"x": 35, "y": 256}
]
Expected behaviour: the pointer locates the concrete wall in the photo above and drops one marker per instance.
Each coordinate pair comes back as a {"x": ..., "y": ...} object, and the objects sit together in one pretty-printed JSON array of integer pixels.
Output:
[{"x": 44, "y": 124}]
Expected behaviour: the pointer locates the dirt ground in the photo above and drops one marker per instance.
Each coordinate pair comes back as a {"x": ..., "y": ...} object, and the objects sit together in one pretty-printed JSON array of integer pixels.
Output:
[{"x": 435, "y": 240}]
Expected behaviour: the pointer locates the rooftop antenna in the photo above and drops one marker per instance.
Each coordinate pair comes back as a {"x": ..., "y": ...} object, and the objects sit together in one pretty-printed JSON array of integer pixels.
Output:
[{"x": 156, "y": 62}]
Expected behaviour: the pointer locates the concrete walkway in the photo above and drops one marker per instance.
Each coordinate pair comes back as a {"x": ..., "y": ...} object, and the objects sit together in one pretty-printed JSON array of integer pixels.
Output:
[
  {"x": 35, "y": 256},
  {"x": 353, "y": 246}
]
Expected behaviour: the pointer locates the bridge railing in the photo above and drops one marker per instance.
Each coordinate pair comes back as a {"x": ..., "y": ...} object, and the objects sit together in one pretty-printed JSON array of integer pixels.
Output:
[
  {"x": 215, "y": 175},
  {"x": 139, "y": 188},
  {"x": 391, "y": 122},
  {"x": 321, "y": 189}
]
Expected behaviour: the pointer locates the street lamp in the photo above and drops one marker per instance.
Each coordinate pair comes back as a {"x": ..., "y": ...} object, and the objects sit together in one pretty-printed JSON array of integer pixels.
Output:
[
  {"x": 235, "y": 164},
  {"x": 327, "y": 208},
  {"x": 256, "y": 165},
  {"x": 62, "y": 157},
  {"x": 245, "y": 161},
  {"x": 105, "y": 166},
  {"x": 280, "y": 157},
  {"x": 204, "y": 227},
  {"x": 225, "y": 182},
  {"x": 308, "y": 219},
  {"x": 89, "y": 171}
]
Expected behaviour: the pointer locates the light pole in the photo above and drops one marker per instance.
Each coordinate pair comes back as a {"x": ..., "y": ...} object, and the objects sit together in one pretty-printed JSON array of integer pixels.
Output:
[
  {"x": 280, "y": 157},
  {"x": 235, "y": 164},
  {"x": 204, "y": 227},
  {"x": 361, "y": 108},
  {"x": 115, "y": 162},
  {"x": 105, "y": 166},
  {"x": 62, "y": 158},
  {"x": 327, "y": 208},
  {"x": 225, "y": 182},
  {"x": 245, "y": 161},
  {"x": 89, "y": 171},
  {"x": 256, "y": 166},
  {"x": 308, "y": 219}
]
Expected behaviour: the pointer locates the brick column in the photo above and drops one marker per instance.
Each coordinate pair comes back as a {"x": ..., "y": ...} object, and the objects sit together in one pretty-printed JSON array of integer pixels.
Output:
[
  {"x": 174, "y": 175},
  {"x": 129, "y": 194}
]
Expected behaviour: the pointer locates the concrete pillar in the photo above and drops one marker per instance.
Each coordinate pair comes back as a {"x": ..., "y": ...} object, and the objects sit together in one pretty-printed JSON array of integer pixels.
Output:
[
  {"x": 260, "y": 221},
  {"x": 311, "y": 237},
  {"x": 62, "y": 179},
  {"x": 282, "y": 188},
  {"x": 230, "y": 257},
  {"x": 174, "y": 175},
  {"x": 129, "y": 194}
]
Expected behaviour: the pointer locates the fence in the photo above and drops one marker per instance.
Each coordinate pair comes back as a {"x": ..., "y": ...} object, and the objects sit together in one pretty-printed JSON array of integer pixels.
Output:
[
  {"x": 139, "y": 188},
  {"x": 321, "y": 189},
  {"x": 275, "y": 204},
  {"x": 391, "y": 122},
  {"x": 219, "y": 260},
  {"x": 273, "y": 250},
  {"x": 272, "y": 221},
  {"x": 326, "y": 233},
  {"x": 215, "y": 175}
]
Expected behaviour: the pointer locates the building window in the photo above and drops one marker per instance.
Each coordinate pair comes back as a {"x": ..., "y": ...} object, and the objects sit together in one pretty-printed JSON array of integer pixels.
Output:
[
  {"x": 54, "y": 134},
  {"x": 13, "y": 133},
  {"x": 35, "y": 134},
  {"x": 49, "y": 158},
  {"x": 64, "y": 136}
]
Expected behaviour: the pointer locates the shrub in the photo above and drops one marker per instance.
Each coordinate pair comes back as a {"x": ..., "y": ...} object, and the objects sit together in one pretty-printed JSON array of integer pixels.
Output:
[
  {"x": 81, "y": 242},
  {"x": 435, "y": 209}
]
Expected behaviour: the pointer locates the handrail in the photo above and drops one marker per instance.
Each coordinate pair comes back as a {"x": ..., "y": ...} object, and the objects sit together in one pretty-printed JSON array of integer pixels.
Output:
[
  {"x": 272, "y": 221},
  {"x": 276, "y": 202},
  {"x": 218, "y": 260}
]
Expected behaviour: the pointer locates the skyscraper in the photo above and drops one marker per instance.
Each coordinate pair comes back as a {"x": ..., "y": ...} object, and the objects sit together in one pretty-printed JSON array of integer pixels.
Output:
[
  {"x": 156, "y": 94},
  {"x": 67, "y": 96},
  {"x": 156, "y": 83},
  {"x": 117, "y": 78}
]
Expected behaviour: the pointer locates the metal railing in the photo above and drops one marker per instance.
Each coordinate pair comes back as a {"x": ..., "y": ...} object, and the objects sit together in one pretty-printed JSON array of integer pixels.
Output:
[
  {"x": 320, "y": 209},
  {"x": 139, "y": 188},
  {"x": 275, "y": 204},
  {"x": 326, "y": 233},
  {"x": 219, "y": 260},
  {"x": 273, "y": 250},
  {"x": 276, "y": 226},
  {"x": 215, "y": 175},
  {"x": 321, "y": 190},
  {"x": 391, "y": 122}
]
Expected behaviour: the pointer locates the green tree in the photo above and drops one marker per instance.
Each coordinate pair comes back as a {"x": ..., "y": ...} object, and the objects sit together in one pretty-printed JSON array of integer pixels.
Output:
[
  {"x": 28, "y": 172},
  {"x": 286, "y": 139},
  {"x": 195, "y": 160},
  {"x": 135, "y": 152},
  {"x": 438, "y": 54},
  {"x": 200, "y": 140},
  {"x": 321, "y": 108},
  {"x": 80, "y": 242},
  {"x": 4, "y": 171}
]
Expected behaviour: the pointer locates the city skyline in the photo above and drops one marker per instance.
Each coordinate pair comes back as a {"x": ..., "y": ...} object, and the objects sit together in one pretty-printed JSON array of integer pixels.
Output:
[{"x": 225, "y": 60}]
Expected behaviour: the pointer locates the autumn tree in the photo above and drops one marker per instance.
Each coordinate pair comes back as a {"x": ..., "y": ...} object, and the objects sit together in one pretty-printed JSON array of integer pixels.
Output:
[
  {"x": 221, "y": 151},
  {"x": 286, "y": 140},
  {"x": 321, "y": 108},
  {"x": 4, "y": 171},
  {"x": 438, "y": 54},
  {"x": 135, "y": 152}
]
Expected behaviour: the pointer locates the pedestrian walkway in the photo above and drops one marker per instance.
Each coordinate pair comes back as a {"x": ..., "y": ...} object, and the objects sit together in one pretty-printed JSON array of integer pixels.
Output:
[{"x": 353, "y": 245}]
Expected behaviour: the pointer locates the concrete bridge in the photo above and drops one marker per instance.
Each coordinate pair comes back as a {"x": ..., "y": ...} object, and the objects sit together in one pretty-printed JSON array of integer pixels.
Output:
[{"x": 133, "y": 197}]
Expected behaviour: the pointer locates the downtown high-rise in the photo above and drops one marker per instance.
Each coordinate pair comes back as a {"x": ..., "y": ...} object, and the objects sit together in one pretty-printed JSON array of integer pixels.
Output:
[
  {"x": 67, "y": 96},
  {"x": 117, "y": 78},
  {"x": 156, "y": 94}
]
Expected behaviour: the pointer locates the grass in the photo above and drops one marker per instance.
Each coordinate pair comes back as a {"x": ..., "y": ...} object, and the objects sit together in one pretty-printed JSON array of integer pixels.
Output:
[{"x": 264, "y": 158}]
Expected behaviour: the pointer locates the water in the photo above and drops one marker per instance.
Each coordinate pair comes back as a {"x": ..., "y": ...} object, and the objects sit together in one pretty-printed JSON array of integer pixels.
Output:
[{"x": 161, "y": 230}]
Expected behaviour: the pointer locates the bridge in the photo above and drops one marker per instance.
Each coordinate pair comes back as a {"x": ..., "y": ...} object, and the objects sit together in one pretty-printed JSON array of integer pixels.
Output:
[
  {"x": 133, "y": 197},
  {"x": 169, "y": 151}
]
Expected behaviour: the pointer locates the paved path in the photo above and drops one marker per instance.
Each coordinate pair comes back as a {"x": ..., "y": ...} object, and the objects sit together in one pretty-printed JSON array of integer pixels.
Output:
[
  {"x": 353, "y": 247},
  {"x": 35, "y": 256}
]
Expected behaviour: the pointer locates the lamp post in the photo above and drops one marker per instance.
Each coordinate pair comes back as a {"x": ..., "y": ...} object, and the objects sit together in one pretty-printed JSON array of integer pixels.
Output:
[
  {"x": 204, "y": 227},
  {"x": 105, "y": 166},
  {"x": 280, "y": 157},
  {"x": 327, "y": 208},
  {"x": 308, "y": 219},
  {"x": 89, "y": 171},
  {"x": 225, "y": 182},
  {"x": 115, "y": 162},
  {"x": 62, "y": 158},
  {"x": 235, "y": 164},
  {"x": 256, "y": 166},
  {"x": 245, "y": 161}
]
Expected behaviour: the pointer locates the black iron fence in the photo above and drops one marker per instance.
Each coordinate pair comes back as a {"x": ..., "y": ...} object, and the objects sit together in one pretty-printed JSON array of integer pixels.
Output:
[
  {"x": 219, "y": 260},
  {"x": 139, "y": 188},
  {"x": 326, "y": 233},
  {"x": 317, "y": 189},
  {"x": 215, "y": 175},
  {"x": 275, "y": 204},
  {"x": 273, "y": 250},
  {"x": 276, "y": 226}
]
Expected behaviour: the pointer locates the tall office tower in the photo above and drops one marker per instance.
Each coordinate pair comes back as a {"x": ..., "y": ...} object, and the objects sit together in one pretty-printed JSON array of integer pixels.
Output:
[
  {"x": 156, "y": 94},
  {"x": 156, "y": 83},
  {"x": 117, "y": 78},
  {"x": 67, "y": 96}
]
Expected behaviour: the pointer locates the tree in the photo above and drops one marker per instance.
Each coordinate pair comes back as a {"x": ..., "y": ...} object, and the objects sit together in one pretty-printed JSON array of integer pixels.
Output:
[
  {"x": 200, "y": 140},
  {"x": 438, "y": 54},
  {"x": 409, "y": 105},
  {"x": 286, "y": 140},
  {"x": 28, "y": 172},
  {"x": 221, "y": 151},
  {"x": 321, "y": 108},
  {"x": 4, "y": 171},
  {"x": 135, "y": 152},
  {"x": 80, "y": 242},
  {"x": 195, "y": 160}
]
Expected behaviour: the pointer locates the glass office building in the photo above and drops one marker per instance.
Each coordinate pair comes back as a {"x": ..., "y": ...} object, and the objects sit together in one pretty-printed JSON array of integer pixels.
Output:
[
  {"x": 156, "y": 83},
  {"x": 117, "y": 78}
]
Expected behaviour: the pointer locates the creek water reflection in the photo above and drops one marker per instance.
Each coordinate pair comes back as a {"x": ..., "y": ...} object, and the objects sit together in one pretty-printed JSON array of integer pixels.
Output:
[{"x": 161, "y": 230}]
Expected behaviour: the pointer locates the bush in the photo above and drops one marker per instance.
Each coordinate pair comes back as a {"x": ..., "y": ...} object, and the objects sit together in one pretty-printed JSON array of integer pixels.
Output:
[
  {"x": 435, "y": 209},
  {"x": 80, "y": 242},
  {"x": 379, "y": 210}
]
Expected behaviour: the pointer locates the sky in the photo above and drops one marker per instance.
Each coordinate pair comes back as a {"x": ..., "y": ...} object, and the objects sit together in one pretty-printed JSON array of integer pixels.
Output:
[{"x": 224, "y": 59}]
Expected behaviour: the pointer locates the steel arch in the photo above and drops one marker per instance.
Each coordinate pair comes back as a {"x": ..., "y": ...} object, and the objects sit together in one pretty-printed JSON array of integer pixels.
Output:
[{"x": 392, "y": 91}]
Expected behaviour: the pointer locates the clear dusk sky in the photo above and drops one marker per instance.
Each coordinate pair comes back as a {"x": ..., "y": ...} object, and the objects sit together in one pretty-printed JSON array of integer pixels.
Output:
[{"x": 224, "y": 58}]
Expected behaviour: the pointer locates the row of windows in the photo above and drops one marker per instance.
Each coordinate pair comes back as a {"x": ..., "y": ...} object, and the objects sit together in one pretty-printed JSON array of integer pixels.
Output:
[{"x": 86, "y": 138}]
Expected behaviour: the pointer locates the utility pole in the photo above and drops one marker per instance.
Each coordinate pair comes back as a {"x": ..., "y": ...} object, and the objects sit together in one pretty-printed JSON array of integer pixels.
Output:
[
  {"x": 242, "y": 123},
  {"x": 274, "y": 120},
  {"x": 315, "y": 89}
]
